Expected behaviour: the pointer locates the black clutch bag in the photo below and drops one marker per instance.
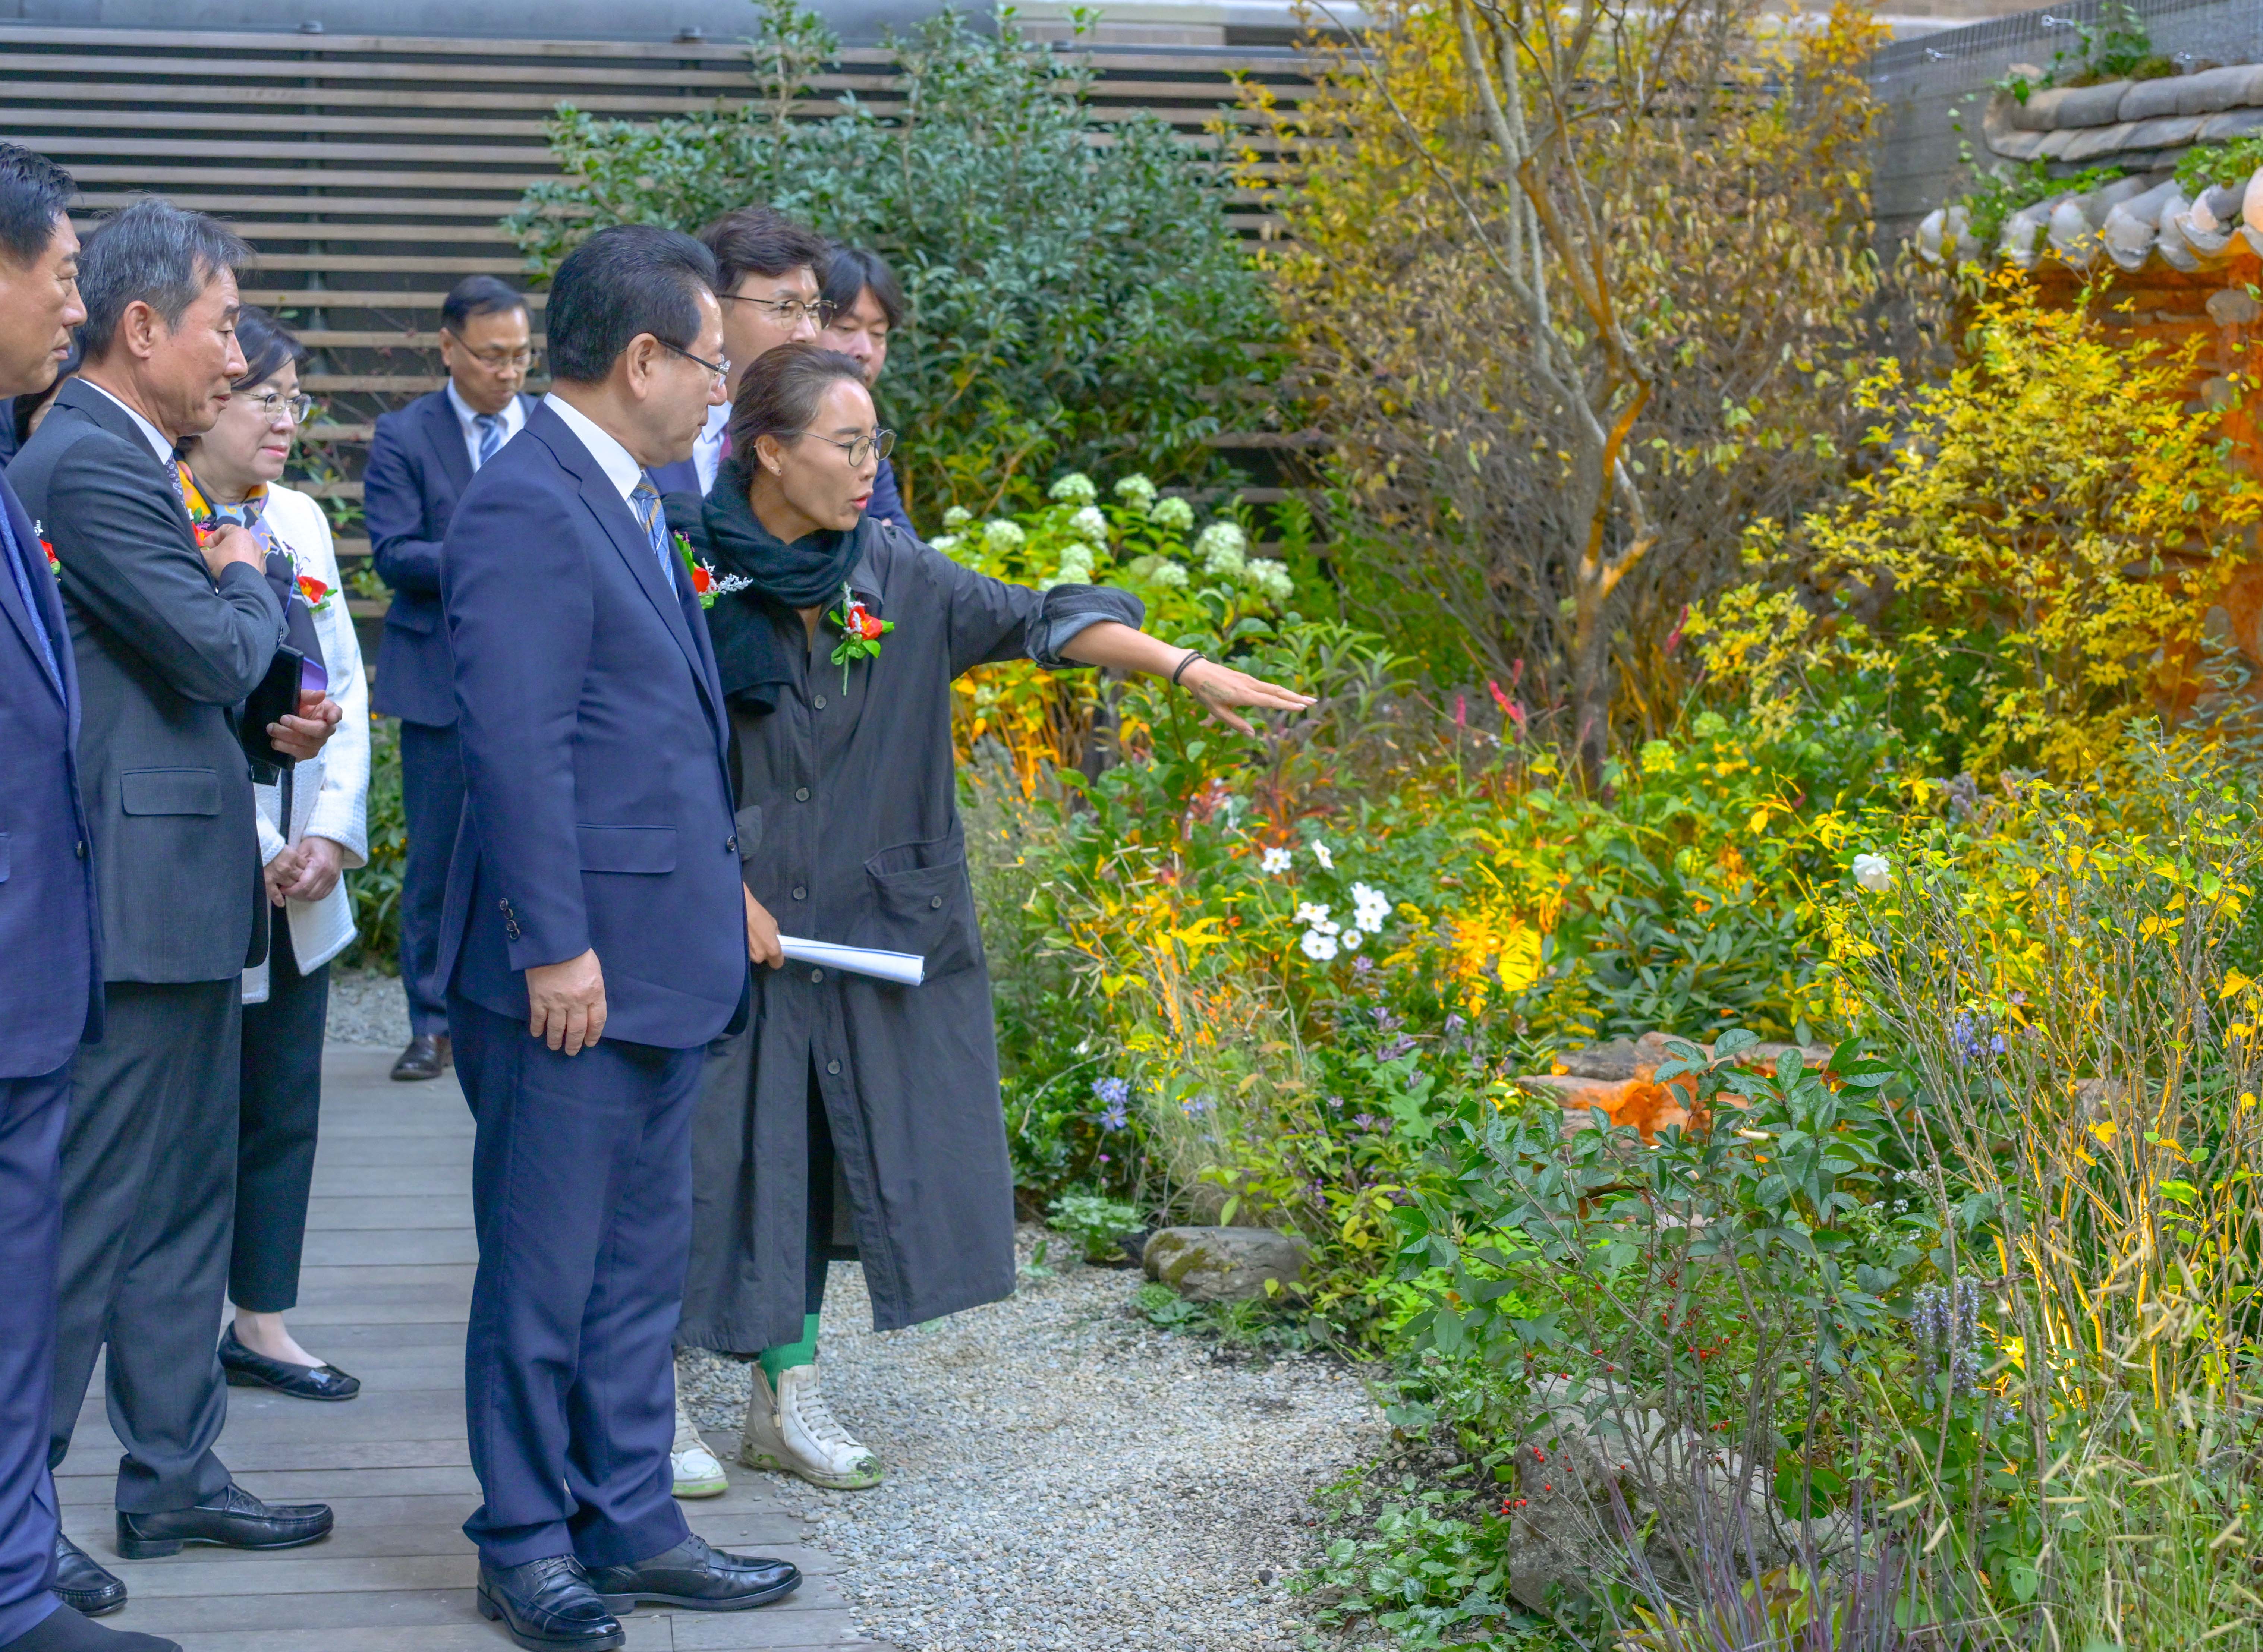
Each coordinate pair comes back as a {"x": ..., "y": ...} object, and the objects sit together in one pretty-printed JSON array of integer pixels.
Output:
[{"x": 275, "y": 698}]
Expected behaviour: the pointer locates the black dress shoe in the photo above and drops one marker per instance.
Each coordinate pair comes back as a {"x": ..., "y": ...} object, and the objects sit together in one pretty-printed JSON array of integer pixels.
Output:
[
  {"x": 232, "y": 1520},
  {"x": 696, "y": 1578},
  {"x": 427, "y": 1056},
  {"x": 547, "y": 1604},
  {"x": 82, "y": 1584},
  {"x": 248, "y": 1370},
  {"x": 63, "y": 1630}
]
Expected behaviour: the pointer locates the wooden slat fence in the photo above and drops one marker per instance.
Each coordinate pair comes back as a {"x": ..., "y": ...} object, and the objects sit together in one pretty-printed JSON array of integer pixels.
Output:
[{"x": 370, "y": 172}]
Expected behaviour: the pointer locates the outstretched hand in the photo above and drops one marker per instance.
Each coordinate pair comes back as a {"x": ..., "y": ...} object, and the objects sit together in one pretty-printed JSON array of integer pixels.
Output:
[{"x": 1219, "y": 687}]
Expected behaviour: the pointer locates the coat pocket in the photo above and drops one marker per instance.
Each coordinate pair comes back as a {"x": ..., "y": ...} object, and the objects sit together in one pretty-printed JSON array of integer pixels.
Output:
[
  {"x": 749, "y": 821},
  {"x": 645, "y": 850},
  {"x": 168, "y": 791},
  {"x": 920, "y": 902}
]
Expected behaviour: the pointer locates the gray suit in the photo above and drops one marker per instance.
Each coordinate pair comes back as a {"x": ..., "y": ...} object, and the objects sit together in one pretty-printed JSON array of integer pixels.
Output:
[{"x": 148, "y": 1174}]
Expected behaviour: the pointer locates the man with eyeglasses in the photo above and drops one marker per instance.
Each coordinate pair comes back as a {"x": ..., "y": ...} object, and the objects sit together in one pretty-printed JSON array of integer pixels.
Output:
[
  {"x": 421, "y": 461},
  {"x": 769, "y": 296}
]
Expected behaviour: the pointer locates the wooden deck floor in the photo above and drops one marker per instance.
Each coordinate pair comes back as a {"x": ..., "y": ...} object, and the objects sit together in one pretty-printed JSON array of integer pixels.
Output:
[{"x": 389, "y": 1277}]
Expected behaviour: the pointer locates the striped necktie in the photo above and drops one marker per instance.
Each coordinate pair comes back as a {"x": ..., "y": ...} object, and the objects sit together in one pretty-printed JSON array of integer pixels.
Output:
[
  {"x": 489, "y": 426},
  {"x": 644, "y": 499}
]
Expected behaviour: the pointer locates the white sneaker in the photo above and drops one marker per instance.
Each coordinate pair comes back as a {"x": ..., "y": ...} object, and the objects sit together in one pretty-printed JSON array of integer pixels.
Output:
[
  {"x": 791, "y": 1429},
  {"x": 699, "y": 1472}
]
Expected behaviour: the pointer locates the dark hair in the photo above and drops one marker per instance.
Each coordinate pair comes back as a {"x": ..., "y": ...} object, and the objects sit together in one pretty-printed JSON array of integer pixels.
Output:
[
  {"x": 25, "y": 408},
  {"x": 268, "y": 347},
  {"x": 478, "y": 295},
  {"x": 849, "y": 271},
  {"x": 629, "y": 279},
  {"x": 157, "y": 253},
  {"x": 759, "y": 240},
  {"x": 780, "y": 392},
  {"x": 34, "y": 193}
]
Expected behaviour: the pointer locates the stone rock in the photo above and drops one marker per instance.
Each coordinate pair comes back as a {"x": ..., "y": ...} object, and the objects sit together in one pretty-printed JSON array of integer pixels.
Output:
[{"x": 1225, "y": 1264}]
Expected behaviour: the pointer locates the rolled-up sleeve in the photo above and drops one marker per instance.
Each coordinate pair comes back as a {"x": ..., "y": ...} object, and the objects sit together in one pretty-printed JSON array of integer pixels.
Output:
[{"x": 1067, "y": 610}]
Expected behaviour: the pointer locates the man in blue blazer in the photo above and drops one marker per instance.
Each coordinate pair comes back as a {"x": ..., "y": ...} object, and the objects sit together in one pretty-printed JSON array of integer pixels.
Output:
[
  {"x": 421, "y": 460},
  {"x": 596, "y": 937},
  {"x": 50, "y": 929}
]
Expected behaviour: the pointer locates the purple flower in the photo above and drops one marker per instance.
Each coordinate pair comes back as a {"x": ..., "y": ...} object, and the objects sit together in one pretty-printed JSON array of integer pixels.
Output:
[
  {"x": 1396, "y": 1049},
  {"x": 1454, "y": 1024},
  {"x": 1112, "y": 1092},
  {"x": 1384, "y": 1021},
  {"x": 1115, "y": 1118},
  {"x": 1366, "y": 1120},
  {"x": 1363, "y": 965}
]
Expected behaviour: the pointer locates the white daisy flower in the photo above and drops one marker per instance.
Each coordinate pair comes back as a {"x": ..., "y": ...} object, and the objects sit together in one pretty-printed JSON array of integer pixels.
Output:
[
  {"x": 1273, "y": 861},
  {"x": 1321, "y": 854},
  {"x": 1318, "y": 947},
  {"x": 1874, "y": 873}
]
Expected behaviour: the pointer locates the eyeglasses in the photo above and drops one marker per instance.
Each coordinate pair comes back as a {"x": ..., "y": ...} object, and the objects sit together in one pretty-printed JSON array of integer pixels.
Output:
[
  {"x": 788, "y": 312},
  {"x": 497, "y": 361},
  {"x": 272, "y": 404},
  {"x": 880, "y": 442},
  {"x": 720, "y": 368}
]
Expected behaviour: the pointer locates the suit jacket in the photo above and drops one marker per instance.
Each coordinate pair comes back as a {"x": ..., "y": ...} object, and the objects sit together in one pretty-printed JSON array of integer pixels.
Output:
[
  {"x": 418, "y": 469},
  {"x": 597, "y": 801},
  {"x": 49, "y": 924},
  {"x": 163, "y": 656}
]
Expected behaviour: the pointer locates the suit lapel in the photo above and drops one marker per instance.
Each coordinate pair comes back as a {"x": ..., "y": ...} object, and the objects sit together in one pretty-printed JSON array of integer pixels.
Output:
[
  {"x": 446, "y": 436},
  {"x": 37, "y": 578}
]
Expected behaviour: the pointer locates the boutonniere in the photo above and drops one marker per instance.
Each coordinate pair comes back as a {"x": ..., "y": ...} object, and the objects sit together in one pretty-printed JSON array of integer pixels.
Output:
[
  {"x": 705, "y": 585},
  {"x": 860, "y": 629},
  {"x": 314, "y": 591},
  {"x": 54, "y": 562}
]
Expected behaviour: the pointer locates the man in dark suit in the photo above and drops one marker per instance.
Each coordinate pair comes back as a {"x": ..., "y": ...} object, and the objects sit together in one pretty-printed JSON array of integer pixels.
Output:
[
  {"x": 168, "y": 638},
  {"x": 49, "y": 926},
  {"x": 768, "y": 265},
  {"x": 596, "y": 938},
  {"x": 421, "y": 460}
]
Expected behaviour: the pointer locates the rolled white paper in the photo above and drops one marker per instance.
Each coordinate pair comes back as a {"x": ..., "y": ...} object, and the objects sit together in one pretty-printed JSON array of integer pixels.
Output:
[{"x": 905, "y": 969}]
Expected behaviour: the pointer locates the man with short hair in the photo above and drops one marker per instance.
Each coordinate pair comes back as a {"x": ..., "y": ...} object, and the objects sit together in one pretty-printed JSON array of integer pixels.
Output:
[
  {"x": 168, "y": 637},
  {"x": 866, "y": 304},
  {"x": 49, "y": 926},
  {"x": 421, "y": 460},
  {"x": 768, "y": 265},
  {"x": 593, "y": 945}
]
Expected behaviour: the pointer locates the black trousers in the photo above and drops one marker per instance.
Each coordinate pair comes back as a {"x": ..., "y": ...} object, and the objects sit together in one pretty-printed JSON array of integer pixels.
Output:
[
  {"x": 31, "y": 1134},
  {"x": 432, "y": 801},
  {"x": 281, "y": 1106},
  {"x": 817, "y": 1255},
  {"x": 149, "y": 1196}
]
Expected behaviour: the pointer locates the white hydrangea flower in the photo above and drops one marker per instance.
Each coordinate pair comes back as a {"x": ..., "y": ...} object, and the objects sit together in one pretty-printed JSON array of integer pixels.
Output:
[
  {"x": 1000, "y": 535},
  {"x": 1088, "y": 524},
  {"x": 945, "y": 542},
  {"x": 1136, "y": 492},
  {"x": 1874, "y": 873},
  {"x": 956, "y": 517},
  {"x": 1272, "y": 578},
  {"x": 1075, "y": 489},
  {"x": 1075, "y": 570},
  {"x": 1370, "y": 906},
  {"x": 1319, "y": 947},
  {"x": 1171, "y": 574},
  {"x": 1273, "y": 861},
  {"x": 1351, "y": 939},
  {"x": 1321, "y": 854},
  {"x": 1174, "y": 514}
]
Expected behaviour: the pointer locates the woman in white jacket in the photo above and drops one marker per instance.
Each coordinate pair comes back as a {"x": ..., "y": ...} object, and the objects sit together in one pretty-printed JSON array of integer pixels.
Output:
[{"x": 231, "y": 471}]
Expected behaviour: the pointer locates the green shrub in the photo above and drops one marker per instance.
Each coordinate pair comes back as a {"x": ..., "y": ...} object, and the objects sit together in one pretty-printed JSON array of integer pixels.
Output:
[
  {"x": 376, "y": 887},
  {"x": 1097, "y": 1222}
]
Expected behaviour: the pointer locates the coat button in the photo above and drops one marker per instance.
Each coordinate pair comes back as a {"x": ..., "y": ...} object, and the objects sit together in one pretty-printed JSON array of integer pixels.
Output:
[
  {"x": 799, "y": 893},
  {"x": 935, "y": 900},
  {"x": 817, "y": 975},
  {"x": 731, "y": 844},
  {"x": 819, "y": 702},
  {"x": 81, "y": 850},
  {"x": 833, "y": 1067},
  {"x": 801, "y": 794}
]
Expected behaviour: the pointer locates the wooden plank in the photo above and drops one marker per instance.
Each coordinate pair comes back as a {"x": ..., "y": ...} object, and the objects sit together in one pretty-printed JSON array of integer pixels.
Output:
[
  {"x": 658, "y": 103},
  {"x": 505, "y": 190},
  {"x": 357, "y": 299},
  {"x": 399, "y": 208}
]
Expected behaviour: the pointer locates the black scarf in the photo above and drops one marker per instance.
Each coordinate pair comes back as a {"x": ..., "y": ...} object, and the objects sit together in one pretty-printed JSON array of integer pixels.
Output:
[{"x": 807, "y": 573}]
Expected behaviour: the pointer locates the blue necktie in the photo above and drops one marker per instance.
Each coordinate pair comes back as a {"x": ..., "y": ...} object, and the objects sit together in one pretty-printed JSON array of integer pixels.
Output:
[
  {"x": 644, "y": 499},
  {"x": 489, "y": 426}
]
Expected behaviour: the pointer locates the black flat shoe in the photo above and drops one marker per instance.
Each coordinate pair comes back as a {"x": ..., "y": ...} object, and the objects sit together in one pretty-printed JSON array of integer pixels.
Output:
[
  {"x": 696, "y": 1578},
  {"x": 548, "y": 1604},
  {"x": 427, "y": 1056},
  {"x": 234, "y": 1519},
  {"x": 82, "y": 1584},
  {"x": 248, "y": 1370},
  {"x": 63, "y": 1630}
]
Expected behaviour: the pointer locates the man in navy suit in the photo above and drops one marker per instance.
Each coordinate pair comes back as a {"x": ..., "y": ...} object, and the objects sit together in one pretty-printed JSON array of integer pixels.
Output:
[
  {"x": 596, "y": 937},
  {"x": 421, "y": 460},
  {"x": 50, "y": 929}
]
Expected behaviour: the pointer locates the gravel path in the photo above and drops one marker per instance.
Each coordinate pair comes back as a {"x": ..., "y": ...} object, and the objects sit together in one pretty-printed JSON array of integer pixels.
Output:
[
  {"x": 1061, "y": 1476},
  {"x": 367, "y": 1008}
]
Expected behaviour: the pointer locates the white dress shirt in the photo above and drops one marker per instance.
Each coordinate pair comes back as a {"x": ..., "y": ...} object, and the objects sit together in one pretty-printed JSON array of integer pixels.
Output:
[
  {"x": 617, "y": 463},
  {"x": 150, "y": 433},
  {"x": 513, "y": 417},
  {"x": 707, "y": 447}
]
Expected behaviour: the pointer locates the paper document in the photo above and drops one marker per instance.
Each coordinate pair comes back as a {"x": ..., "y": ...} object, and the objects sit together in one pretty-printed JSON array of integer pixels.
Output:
[{"x": 905, "y": 969}]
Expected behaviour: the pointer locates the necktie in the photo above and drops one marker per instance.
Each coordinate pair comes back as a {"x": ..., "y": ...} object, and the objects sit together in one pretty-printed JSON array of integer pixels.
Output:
[
  {"x": 644, "y": 499},
  {"x": 489, "y": 426}
]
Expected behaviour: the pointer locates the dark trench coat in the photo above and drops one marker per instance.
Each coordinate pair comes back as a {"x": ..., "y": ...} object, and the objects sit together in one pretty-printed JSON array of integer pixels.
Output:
[{"x": 848, "y": 831}]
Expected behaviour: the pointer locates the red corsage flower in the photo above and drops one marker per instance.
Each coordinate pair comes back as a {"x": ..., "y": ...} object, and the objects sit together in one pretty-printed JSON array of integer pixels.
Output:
[
  {"x": 314, "y": 591},
  {"x": 54, "y": 562},
  {"x": 861, "y": 631}
]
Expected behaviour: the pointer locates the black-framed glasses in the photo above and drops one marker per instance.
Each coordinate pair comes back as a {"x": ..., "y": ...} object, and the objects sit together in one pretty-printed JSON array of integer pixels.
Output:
[
  {"x": 788, "y": 312},
  {"x": 274, "y": 404},
  {"x": 880, "y": 442},
  {"x": 720, "y": 368}
]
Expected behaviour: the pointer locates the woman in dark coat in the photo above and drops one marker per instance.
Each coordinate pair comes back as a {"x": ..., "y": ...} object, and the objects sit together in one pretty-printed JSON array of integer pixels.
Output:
[{"x": 854, "y": 1113}]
